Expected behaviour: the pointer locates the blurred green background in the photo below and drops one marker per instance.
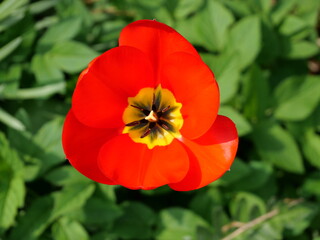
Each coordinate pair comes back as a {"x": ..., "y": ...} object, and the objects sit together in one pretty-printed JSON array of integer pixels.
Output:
[{"x": 265, "y": 55}]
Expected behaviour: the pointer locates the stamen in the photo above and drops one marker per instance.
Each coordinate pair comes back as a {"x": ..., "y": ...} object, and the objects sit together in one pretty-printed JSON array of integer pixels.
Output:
[
  {"x": 138, "y": 108},
  {"x": 153, "y": 98},
  {"x": 154, "y": 108},
  {"x": 164, "y": 126},
  {"x": 145, "y": 111},
  {"x": 165, "y": 109},
  {"x": 132, "y": 124},
  {"x": 146, "y": 133}
]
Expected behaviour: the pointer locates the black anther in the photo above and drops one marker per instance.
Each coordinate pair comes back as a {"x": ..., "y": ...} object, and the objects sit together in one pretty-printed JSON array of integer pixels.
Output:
[
  {"x": 132, "y": 124},
  {"x": 146, "y": 133},
  {"x": 165, "y": 109}
]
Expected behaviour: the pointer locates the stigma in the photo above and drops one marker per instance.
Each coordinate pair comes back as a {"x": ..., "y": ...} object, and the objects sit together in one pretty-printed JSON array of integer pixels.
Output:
[{"x": 152, "y": 117}]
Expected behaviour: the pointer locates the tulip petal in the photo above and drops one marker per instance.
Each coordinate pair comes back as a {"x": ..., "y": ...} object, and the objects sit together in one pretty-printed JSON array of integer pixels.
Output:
[
  {"x": 82, "y": 144},
  {"x": 95, "y": 104},
  {"x": 155, "y": 39},
  {"x": 193, "y": 84},
  {"x": 102, "y": 92},
  {"x": 134, "y": 166},
  {"x": 210, "y": 156},
  {"x": 124, "y": 69}
]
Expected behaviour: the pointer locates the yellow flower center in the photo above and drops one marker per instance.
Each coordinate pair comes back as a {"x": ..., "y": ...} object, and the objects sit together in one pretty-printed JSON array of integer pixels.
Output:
[{"x": 153, "y": 117}]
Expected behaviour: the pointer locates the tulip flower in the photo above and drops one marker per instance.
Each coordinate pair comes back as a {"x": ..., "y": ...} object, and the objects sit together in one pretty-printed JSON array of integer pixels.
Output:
[{"x": 145, "y": 114}]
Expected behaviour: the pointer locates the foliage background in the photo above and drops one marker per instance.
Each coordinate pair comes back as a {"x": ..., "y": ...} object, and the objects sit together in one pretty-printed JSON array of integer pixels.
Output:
[{"x": 265, "y": 55}]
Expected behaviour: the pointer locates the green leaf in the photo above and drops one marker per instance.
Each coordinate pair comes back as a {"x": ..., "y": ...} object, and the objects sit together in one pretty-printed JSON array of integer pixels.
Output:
[
  {"x": 255, "y": 96},
  {"x": 202, "y": 203},
  {"x": 297, "y": 97},
  {"x": 7, "y": 7},
  {"x": 12, "y": 189},
  {"x": 42, "y": 150},
  {"x": 99, "y": 212},
  {"x": 239, "y": 8},
  {"x": 316, "y": 118},
  {"x": 62, "y": 31},
  {"x": 71, "y": 198},
  {"x": 265, "y": 231},
  {"x": 253, "y": 176},
  {"x": 34, "y": 221},
  {"x": 310, "y": 147},
  {"x": 136, "y": 223},
  {"x": 186, "y": 7},
  {"x": 67, "y": 229},
  {"x": 276, "y": 145},
  {"x": 41, "y": 6},
  {"x": 238, "y": 170},
  {"x": 150, "y": 10},
  {"x": 246, "y": 206},
  {"x": 271, "y": 47},
  {"x": 64, "y": 176},
  {"x": 281, "y": 10},
  {"x": 45, "y": 210},
  {"x": 301, "y": 49},
  {"x": 49, "y": 137},
  {"x": 180, "y": 224},
  {"x": 46, "y": 22},
  {"x": 245, "y": 39},
  {"x": 11, "y": 121},
  {"x": 7, "y": 49},
  {"x": 308, "y": 11},
  {"x": 228, "y": 84},
  {"x": 243, "y": 126},
  {"x": 302, "y": 213},
  {"x": 108, "y": 192},
  {"x": 71, "y": 57},
  {"x": 203, "y": 234},
  {"x": 110, "y": 33},
  {"x": 209, "y": 205},
  {"x": 45, "y": 71},
  {"x": 38, "y": 92},
  {"x": 11, "y": 20},
  {"x": 260, "y": 5},
  {"x": 311, "y": 185},
  {"x": 287, "y": 88},
  {"x": 48, "y": 143},
  {"x": 283, "y": 225},
  {"x": 295, "y": 28},
  {"x": 75, "y": 8},
  {"x": 104, "y": 235},
  {"x": 212, "y": 24},
  {"x": 227, "y": 72},
  {"x": 9, "y": 156},
  {"x": 9, "y": 83}
]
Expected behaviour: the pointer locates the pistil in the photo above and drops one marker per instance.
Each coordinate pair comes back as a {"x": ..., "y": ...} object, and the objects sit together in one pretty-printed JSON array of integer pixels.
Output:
[{"x": 152, "y": 117}]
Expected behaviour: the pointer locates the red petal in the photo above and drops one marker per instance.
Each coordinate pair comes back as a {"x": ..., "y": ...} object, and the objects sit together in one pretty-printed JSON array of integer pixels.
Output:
[
  {"x": 125, "y": 70},
  {"x": 210, "y": 156},
  {"x": 193, "y": 84},
  {"x": 102, "y": 92},
  {"x": 155, "y": 39},
  {"x": 95, "y": 104},
  {"x": 81, "y": 145},
  {"x": 135, "y": 166}
]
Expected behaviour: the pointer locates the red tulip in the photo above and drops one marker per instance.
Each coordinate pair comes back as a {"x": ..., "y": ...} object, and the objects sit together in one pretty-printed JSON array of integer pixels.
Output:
[{"x": 145, "y": 114}]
